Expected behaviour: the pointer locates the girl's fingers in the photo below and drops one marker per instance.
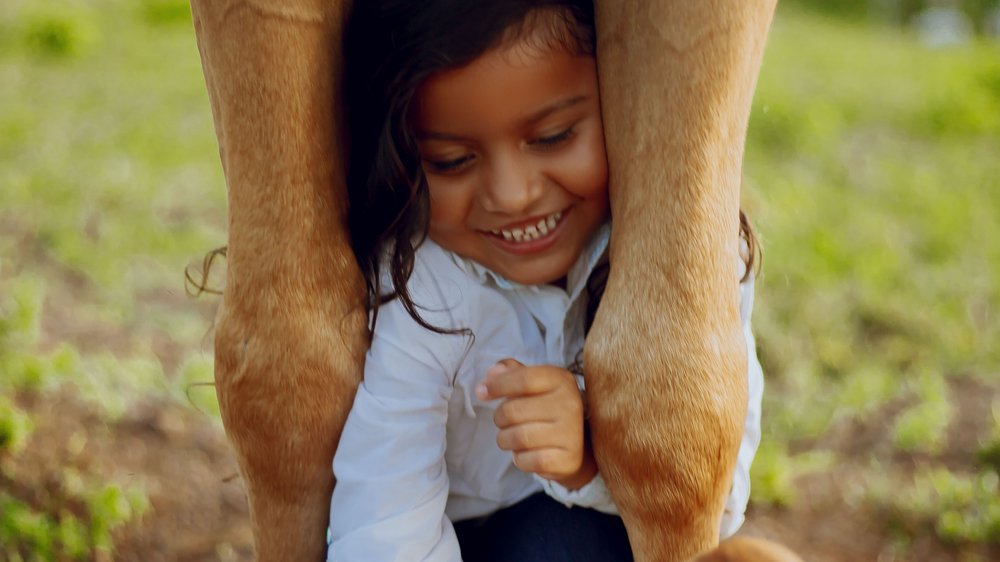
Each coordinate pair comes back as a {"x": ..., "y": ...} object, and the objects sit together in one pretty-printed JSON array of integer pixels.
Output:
[
  {"x": 483, "y": 390},
  {"x": 504, "y": 365},
  {"x": 530, "y": 436},
  {"x": 533, "y": 409},
  {"x": 503, "y": 381},
  {"x": 548, "y": 463}
]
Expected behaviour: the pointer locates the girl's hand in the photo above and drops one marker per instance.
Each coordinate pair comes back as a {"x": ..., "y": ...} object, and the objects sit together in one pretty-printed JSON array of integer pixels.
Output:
[{"x": 541, "y": 421}]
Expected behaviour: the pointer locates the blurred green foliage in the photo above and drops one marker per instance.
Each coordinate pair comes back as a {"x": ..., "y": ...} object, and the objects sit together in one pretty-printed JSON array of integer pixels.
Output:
[
  {"x": 166, "y": 11},
  {"x": 922, "y": 427},
  {"x": 109, "y": 184},
  {"x": 57, "y": 28},
  {"x": 873, "y": 179},
  {"x": 28, "y": 533},
  {"x": 896, "y": 11},
  {"x": 960, "y": 508},
  {"x": 73, "y": 518},
  {"x": 988, "y": 453},
  {"x": 772, "y": 478},
  {"x": 15, "y": 427}
]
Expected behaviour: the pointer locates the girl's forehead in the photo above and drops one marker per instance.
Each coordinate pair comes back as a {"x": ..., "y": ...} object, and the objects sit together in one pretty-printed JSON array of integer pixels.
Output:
[{"x": 502, "y": 86}]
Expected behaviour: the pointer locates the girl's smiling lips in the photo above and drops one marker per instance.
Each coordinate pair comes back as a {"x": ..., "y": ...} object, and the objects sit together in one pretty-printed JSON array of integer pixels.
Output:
[{"x": 530, "y": 235}]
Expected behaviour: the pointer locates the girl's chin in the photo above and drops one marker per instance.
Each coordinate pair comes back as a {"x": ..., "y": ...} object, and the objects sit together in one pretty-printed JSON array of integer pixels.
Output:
[{"x": 547, "y": 270}]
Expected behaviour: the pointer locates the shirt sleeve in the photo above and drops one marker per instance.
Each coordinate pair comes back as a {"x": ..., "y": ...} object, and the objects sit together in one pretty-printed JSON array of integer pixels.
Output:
[
  {"x": 593, "y": 494},
  {"x": 736, "y": 504},
  {"x": 391, "y": 480}
]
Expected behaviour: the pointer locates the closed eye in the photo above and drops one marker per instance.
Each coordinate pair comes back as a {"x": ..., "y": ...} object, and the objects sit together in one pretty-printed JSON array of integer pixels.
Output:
[
  {"x": 555, "y": 140},
  {"x": 446, "y": 166}
]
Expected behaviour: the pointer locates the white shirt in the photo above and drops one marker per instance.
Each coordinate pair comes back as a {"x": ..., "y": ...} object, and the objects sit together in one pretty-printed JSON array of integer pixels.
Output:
[{"x": 419, "y": 449}]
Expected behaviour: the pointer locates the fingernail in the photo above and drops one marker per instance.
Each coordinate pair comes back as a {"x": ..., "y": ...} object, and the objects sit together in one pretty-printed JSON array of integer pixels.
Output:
[
  {"x": 481, "y": 391},
  {"x": 496, "y": 369}
]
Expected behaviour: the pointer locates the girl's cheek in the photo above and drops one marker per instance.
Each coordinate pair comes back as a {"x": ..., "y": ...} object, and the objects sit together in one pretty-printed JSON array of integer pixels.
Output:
[
  {"x": 586, "y": 169},
  {"x": 598, "y": 161},
  {"x": 450, "y": 206}
]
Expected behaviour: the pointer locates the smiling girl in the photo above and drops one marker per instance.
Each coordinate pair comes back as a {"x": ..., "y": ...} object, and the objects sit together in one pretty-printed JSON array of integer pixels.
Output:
[{"x": 479, "y": 214}]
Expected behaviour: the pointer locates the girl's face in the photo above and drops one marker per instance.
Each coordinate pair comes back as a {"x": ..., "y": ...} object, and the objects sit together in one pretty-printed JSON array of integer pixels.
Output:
[{"x": 513, "y": 151}]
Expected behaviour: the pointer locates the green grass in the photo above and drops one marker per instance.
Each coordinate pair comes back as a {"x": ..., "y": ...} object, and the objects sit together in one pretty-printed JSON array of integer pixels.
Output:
[
  {"x": 873, "y": 179},
  {"x": 109, "y": 186},
  {"x": 873, "y": 167}
]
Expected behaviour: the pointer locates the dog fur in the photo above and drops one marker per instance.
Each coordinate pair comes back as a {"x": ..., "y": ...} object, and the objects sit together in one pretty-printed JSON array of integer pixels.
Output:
[{"x": 666, "y": 356}]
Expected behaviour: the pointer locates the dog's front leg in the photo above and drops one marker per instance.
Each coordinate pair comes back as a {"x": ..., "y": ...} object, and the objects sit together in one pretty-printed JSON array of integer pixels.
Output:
[
  {"x": 291, "y": 331},
  {"x": 666, "y": 357}
]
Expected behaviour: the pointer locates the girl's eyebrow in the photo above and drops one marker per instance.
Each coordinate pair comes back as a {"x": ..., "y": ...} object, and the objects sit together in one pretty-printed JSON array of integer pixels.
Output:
[{"x": 526, "y": 122}]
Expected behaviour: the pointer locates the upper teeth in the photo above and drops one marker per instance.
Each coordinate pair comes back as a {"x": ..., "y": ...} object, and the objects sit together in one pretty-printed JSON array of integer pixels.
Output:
[{"x": 530, "y": 232}]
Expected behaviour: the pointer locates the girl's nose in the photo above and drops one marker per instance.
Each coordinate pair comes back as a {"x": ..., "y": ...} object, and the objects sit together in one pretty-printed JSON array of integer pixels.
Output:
[{"x": 512, "y": 185}]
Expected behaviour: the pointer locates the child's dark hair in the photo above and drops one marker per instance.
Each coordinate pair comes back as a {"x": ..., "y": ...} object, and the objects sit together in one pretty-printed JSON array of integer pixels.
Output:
[{"x": 391, "y": 47}]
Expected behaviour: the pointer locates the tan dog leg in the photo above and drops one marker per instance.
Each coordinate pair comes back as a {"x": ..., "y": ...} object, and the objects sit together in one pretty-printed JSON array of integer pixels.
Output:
[
  {"x": 666, "y": 357},
  {"x": 746, "y": 549},
  {"x": 291, "y": 331}
]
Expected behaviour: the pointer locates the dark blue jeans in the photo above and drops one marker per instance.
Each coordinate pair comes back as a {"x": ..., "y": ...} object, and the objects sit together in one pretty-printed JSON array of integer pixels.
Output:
[{"x": 540, "y": 529}]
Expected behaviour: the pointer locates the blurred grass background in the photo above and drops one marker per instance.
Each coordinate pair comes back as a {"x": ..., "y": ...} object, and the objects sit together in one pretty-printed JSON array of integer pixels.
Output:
[{"x": 872, "y": 177}]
